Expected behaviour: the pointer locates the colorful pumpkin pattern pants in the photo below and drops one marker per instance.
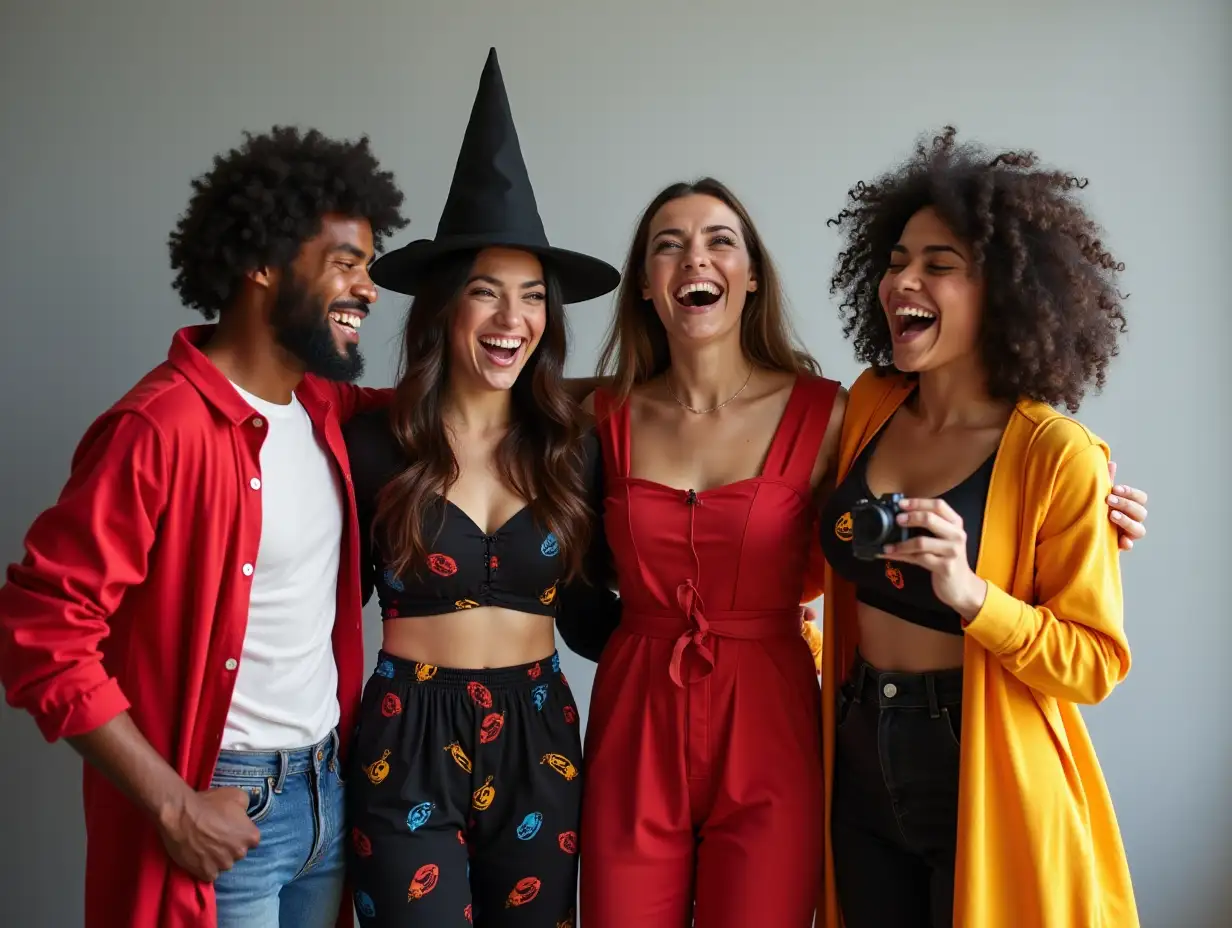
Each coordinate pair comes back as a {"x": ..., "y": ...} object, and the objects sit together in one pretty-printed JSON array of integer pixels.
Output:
[{"x": 464, "y": 797}]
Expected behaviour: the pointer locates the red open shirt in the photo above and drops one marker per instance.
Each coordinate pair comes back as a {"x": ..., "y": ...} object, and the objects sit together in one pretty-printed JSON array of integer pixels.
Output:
[{"x": 133, "y": 594}]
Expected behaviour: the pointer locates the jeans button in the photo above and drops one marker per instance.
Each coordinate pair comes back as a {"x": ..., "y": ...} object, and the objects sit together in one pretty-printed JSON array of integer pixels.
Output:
[{"x": 890, "y": 690}]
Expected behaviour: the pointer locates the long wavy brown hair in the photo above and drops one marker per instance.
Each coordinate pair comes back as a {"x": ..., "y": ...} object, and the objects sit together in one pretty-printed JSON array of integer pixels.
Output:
[
  {"x": 539, "y": 457},
  {"x": 635, "y": 349}
]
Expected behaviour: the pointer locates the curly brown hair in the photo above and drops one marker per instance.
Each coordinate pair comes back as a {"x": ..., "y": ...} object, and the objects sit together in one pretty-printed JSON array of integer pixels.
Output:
[{"x": 1052, "y": 312}]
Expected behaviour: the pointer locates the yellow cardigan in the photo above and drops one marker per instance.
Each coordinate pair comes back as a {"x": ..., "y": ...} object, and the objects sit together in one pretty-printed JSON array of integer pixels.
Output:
[{"x": 1038, "y": 841}]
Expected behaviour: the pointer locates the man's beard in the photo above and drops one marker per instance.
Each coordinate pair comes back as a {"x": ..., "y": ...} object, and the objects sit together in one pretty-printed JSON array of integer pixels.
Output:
[{"x": 302, "y": 326}]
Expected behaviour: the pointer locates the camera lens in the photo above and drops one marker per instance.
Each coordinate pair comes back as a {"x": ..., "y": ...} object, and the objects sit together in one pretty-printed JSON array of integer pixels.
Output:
[{"x": 870, "y": 524}]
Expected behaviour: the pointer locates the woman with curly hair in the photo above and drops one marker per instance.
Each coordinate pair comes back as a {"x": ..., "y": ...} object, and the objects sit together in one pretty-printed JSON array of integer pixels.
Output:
[{"x": 973, "y": 593}]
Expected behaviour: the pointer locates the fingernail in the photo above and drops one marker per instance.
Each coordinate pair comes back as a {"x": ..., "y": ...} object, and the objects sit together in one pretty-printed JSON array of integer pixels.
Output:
[
  {"x": 888, "y": 549},
  {"x": 902, "y": 518},
  {"x": 1120, "y": 490},
  {"x": 1117, "y": 516},
  {"x": 1112, "y": 500}
]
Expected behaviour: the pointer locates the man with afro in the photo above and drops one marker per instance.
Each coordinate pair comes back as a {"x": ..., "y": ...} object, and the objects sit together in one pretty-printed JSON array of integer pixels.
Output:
[{"x": 187, "y": 614}]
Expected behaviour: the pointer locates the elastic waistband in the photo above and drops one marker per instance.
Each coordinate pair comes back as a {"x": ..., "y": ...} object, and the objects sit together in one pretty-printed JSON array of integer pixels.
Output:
[
  {"x": 896, "y": 690},
  {"x": 745, "y": 625},
  {"x": 277, "y": 763},
  {"x": 402, "y": 670}
]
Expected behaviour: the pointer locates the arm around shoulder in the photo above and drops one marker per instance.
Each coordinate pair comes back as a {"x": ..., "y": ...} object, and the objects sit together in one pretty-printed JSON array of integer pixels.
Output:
[
  {"x": 81, "y": 556},
  {"x": 1071, "y": 642},
  {"x": 352, "y": 400}
]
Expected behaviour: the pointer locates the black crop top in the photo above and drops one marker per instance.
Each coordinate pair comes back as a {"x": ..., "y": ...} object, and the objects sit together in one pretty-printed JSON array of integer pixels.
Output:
[
  {"x": 902, "y": 590},
  {"x": 518, "y": 566}
]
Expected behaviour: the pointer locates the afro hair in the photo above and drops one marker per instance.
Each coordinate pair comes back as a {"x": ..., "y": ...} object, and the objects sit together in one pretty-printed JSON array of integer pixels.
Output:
[
  {"x": 1052, "y": 314},
  {"x": 263, "y": 200}
]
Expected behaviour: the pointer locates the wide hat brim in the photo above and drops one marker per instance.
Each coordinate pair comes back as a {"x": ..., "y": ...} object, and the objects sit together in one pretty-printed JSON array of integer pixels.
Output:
[{"x": 581, "y": 277}]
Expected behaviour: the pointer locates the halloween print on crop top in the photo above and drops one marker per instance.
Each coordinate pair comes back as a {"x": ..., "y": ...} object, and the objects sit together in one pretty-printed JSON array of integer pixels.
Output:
[
  {"x": 518, "y": 566},
  {"x": 902, "y": 590}
]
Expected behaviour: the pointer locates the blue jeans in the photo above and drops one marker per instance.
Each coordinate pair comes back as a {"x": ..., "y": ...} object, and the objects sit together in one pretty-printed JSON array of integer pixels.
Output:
[{"x": 294, "y": 877}]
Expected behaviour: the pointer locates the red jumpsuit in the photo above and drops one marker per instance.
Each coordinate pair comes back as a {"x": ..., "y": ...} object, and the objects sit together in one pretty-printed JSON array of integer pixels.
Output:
[{"x": 703, "y": 793}]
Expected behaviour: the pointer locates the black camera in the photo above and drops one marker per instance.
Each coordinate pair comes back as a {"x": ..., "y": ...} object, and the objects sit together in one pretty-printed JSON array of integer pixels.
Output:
[{"x": 873, "y": 525}]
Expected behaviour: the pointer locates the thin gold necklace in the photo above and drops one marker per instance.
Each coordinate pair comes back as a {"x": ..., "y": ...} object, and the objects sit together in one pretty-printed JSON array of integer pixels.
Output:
[{"x": 701, "y": 412}]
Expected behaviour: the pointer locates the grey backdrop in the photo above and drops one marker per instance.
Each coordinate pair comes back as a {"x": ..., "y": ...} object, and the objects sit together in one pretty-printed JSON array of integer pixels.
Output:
[{"x": 110, "y": 108}]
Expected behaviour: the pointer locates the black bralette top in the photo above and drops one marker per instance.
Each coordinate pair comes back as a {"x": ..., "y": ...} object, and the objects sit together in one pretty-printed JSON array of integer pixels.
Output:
[
  {"x": 902, "y": 590},
  {"x": 518, "y": 566}
]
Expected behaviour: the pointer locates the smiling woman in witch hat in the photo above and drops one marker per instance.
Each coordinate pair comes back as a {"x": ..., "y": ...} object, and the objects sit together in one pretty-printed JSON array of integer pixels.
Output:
[{"x": 478, "y": 526}]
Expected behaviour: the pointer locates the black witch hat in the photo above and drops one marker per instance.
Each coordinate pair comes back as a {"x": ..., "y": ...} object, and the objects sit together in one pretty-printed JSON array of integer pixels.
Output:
[{"x": 491, "y": 203}]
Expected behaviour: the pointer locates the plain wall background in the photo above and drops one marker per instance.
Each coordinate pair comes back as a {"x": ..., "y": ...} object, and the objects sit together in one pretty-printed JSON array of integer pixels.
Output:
[{"x": 109, "y": 109}]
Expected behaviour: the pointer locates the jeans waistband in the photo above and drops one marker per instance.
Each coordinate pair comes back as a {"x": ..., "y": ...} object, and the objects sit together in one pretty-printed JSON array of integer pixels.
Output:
[
  {"x": 404, "y": 670},
  {"x": 898, "y": 690},
  {"x": 278, "y": 764}
]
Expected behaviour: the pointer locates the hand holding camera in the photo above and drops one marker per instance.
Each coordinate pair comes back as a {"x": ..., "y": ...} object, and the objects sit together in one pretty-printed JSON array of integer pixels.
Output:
[{"x": 924, "y": 532}]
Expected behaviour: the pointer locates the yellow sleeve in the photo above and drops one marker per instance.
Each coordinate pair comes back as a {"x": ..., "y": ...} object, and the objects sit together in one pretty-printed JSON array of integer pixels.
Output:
[{"x": 1072, "y": 645}]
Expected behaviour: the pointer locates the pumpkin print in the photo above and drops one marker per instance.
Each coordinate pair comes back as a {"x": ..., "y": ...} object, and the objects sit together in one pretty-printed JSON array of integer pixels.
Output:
[
  {"x": 570, "y": 714},
  {"x": 391, "y": 705},
  {"x": 378, "y": 770},
  {"x": 561, "y": 765},
  {"x": 525, "y": 890},
  {"x": 530, "y": 826},
  {"x": 482, "y": 798},
  {"x": 418, "y": 816},
  {"x": 843, "y": 527},
  {"x": 491, "y": 727},
  {"x": 425, "y": 672},
  {"x": 459, "y": 756},
  {"x": 535, "y": 671},
  {"x": 548, "y": 595},
  {"x": 567, "y": 841},
  {"x": 361, "y": 843},
  {"x": 480, "y": 694},
  {"x": 442, "y": 565},
  {"x": 424, "y": 881},
  {"x": 894, "y": 575}
]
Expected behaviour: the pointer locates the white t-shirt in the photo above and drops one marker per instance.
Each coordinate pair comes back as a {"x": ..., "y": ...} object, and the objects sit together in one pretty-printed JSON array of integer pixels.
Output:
[{"x": 286, "y": 686}]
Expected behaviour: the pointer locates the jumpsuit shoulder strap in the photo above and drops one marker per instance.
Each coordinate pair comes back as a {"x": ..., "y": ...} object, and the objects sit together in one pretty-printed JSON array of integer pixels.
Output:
[
  {"x": 793, "y": 452},
  {"x": 612, "y": 427}
]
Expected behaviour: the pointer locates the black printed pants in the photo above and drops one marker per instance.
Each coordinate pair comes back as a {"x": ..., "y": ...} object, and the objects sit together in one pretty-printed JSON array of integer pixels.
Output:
[
  {"x": 464, "y": 797},
  {"x": 895, "y": 802}
]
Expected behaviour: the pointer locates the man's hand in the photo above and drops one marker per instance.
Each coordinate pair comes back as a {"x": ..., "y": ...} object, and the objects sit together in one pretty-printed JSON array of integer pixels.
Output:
[
  {"x": 208, "y": 832},
  {"x": 205, "y": 833}
]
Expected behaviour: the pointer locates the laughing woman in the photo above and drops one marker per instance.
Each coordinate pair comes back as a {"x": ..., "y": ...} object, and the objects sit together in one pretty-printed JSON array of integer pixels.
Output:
[
  {"x": 964, "y": 787},
  {"x": 465, "y": 791}
]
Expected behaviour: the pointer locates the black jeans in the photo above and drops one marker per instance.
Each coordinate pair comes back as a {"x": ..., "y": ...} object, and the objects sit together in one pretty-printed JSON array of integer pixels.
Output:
[{"x": 895, "y": 819}]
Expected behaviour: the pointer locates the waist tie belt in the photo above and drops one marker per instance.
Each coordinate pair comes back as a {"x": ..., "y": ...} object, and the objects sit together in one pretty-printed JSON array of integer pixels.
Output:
[{"x": 693, "y": 625}]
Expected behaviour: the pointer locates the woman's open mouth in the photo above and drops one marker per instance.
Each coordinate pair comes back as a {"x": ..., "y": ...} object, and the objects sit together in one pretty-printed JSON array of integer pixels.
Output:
[
  {"x": 698, "y": 294},
  {"x": 501, "y": 350},
  {"x": 912, "y": 321}
]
